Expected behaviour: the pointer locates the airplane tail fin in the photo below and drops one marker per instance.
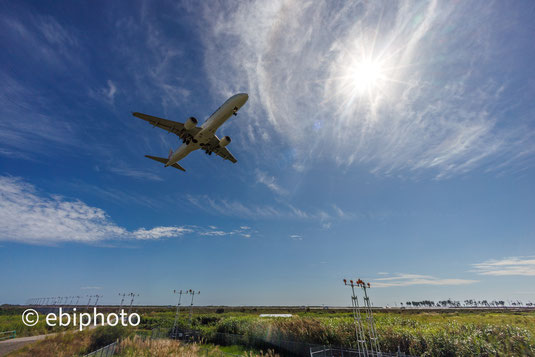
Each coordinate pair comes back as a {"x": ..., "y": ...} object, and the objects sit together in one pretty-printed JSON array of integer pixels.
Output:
[
  {"x": 170, "y": 154},
  {"x": 163, "y": 160}
]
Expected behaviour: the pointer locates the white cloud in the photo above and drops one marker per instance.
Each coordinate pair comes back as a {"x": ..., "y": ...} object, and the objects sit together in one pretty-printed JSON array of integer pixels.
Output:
[
  {"x": 160, "y": 232},
  {"x": 269, "y": 182},
  {"x": 243, "y": 231},
  {"x": 215, "y": 233},
  {"x": 112, "y": 89},
  {"x": 157, "y": 71},
  {"x": 296, "y": 237},
  {"x": 416, "y": 279},
  {"x": 28, "y": 216},
  {"x": 281, "y": 210},
  {"x": 508, "y": 266},
  {"x": 434, "y": 106},
  {"x": 143, "y": 175}
]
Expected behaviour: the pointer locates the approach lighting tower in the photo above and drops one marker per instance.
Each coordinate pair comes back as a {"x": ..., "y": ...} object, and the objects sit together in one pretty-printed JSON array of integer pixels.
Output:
[
  {"x": 133, "y": 296},
  {"x": 359, "y": 330},
  {"x": 98, "y": 297},
  {"x": 174, "y": 330},
  {"x": 192, "y": 293},
  {"x": 369, "y": 317}
]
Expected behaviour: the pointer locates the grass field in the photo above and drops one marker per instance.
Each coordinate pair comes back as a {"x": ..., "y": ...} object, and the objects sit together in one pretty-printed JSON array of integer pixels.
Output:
[
  {"x": 416, "y": 332},
  {"x": 429, "y": 333}
]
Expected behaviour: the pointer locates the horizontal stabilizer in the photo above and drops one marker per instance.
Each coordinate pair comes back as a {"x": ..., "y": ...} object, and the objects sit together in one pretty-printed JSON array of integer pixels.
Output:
[{"x": 163, "y": 160}]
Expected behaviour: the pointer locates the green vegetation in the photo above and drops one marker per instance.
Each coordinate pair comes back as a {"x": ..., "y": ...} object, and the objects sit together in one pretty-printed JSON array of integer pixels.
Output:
[
  {"x": 425, "y": 333},
  {"x": 416, "y": 332},
  {"x": 73, "y": 343},
  {"x": 139, "y": 347},
  {"x": 10, "y": 319}
]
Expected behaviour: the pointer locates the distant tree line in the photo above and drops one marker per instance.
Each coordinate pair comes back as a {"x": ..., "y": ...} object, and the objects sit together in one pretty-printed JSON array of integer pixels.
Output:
[{"x": 467, "y": 303}]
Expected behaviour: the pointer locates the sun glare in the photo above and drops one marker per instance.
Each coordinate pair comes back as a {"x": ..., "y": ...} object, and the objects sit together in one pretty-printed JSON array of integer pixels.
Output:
[{"x": 366, "y": 75}]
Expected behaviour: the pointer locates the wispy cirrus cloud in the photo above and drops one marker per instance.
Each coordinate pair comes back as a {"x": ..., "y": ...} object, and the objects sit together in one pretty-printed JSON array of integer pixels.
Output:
[
  {"x": 243, "y": 231},
  {"x": 522, "y": 266},
  {"x": 139, "y": 174},
  {"x": 437, "y": 104},
  {"x": 156, "y": 63},
  {"x": 417, "y": 279},
  {"x": 29, "y": 216},
  {"x": 281, "y": 210},
  {"x": 269, "y": 181}
]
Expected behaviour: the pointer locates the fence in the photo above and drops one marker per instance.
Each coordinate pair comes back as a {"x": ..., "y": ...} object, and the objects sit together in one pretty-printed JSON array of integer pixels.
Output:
[
  {"x": 105, "y": 351},
  {"x": 281, "y": 346},
  {"x": 328, "y": 351},
  {"x": 6, "y": 335}
]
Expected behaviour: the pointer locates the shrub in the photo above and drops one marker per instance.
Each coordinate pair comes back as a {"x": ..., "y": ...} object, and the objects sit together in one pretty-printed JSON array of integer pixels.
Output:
[{"x": 105, "y": 335}]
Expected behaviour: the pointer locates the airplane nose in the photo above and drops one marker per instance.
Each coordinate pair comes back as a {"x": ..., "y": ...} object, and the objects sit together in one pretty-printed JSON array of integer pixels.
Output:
[{"x": 244, "y": 97}]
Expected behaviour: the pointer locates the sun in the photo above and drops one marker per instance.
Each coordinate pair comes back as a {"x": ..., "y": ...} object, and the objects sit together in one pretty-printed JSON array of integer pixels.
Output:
[{"x": 366, "y": 75}]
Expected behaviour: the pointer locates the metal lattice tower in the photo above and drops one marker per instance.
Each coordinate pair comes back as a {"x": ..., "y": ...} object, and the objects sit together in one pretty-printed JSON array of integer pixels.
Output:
[
  {"x": 98, "y": 297},
  {"x": 122, "y": 300},
  {"x": 174, "y": 330},
  {"x": 359, "y": 330},
  {"x": 369, "y": 317},
  {"x": 89, "y": 301},
  {"x": 192, "y": 292},
  {"x": 133, "y": 295}
]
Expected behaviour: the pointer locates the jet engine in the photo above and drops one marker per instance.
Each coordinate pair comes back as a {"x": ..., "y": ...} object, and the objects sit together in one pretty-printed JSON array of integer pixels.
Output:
[
  {"x": 224, "y": 141},
  {"x": 190, "y": 123}
]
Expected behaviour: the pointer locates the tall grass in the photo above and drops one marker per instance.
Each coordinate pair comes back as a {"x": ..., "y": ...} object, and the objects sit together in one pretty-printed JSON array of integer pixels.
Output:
[
  {"x": 424, "y": 335},
  {"x": 143, "y": 347},
  {"x": 62, "y": 345}
]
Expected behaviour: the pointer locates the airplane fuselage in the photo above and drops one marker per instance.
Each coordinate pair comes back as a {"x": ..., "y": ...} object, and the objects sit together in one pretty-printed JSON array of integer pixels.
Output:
[{"x": 209, "y": 127}]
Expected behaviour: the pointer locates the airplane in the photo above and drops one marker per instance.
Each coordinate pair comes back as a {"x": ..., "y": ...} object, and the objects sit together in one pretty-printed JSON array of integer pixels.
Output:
[{"x": 198, "y": 137}]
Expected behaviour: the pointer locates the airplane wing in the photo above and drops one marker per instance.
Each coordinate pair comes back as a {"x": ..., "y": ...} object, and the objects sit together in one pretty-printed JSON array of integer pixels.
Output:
[
  {"x": 221, "y": 151},
  {"x": 168, "y": 125}
]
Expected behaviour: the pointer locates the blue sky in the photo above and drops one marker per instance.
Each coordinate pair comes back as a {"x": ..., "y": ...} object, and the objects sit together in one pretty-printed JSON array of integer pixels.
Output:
[{"x": 393, "y": 142}]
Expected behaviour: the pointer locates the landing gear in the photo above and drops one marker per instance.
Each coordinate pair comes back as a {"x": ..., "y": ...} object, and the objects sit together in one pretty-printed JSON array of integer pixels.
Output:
[{"x": 235, "y": 111}]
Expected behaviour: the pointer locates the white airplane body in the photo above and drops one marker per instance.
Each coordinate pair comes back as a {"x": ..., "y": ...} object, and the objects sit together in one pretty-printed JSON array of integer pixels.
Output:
[{"x": 194, "y": 137}]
